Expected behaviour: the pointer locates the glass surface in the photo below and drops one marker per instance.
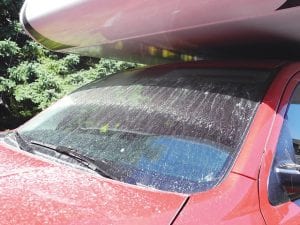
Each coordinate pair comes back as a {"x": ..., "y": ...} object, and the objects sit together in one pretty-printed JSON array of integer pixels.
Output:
[
  {"x": 173, "y": 129},
  {"x": 293, "y": 114}
]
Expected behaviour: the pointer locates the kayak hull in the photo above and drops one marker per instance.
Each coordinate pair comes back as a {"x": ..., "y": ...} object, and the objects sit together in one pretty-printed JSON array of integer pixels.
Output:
[{"x": 155, "y": 30}]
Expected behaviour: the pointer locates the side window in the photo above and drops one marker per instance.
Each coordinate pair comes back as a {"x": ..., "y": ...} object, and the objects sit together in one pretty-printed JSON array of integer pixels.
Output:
[
  {"x": 288, "y": 148},
  {"x": 293, "y": 121}
]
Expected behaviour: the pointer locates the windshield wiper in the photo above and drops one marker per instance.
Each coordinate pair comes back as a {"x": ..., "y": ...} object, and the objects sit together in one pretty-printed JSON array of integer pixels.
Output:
[
  {"x": 23, "y": 144},
  {"x": 84, "y": 160}
]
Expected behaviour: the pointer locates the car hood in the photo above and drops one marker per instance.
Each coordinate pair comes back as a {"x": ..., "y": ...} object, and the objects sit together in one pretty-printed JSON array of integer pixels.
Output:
[{"x": 36, "y": 191}]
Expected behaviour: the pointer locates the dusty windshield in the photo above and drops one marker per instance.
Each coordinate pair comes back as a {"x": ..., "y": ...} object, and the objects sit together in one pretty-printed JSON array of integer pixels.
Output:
[{"x": 172, "y": 129}]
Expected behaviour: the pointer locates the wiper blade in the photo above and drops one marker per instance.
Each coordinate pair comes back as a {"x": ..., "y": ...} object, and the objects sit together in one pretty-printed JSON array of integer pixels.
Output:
[
  {"x": 84, "y": 160},
  {"x": 22, "y": 142}
]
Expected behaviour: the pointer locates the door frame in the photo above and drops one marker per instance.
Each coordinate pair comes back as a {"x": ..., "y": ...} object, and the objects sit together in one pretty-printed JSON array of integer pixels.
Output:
[{"x": 288, "y": 212}]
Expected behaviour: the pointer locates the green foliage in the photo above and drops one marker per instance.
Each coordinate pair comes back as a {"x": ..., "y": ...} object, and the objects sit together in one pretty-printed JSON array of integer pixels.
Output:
[
  {"x": 32, "y": 77},
  {"x": 34, "y": 85},
  {"x": 8, "y": 48}
]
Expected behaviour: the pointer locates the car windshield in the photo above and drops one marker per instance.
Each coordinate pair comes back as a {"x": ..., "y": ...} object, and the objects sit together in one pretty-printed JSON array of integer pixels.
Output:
[{"x": 168, "y": 128}]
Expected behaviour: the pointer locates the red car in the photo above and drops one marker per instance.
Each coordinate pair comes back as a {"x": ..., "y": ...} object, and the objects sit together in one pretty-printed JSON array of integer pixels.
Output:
[
  {"x": 211, "y": 142},
  {"x": 208, "y": 142}
]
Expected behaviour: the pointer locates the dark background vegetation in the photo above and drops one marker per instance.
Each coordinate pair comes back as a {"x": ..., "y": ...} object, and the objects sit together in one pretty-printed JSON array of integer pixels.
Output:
[{"x": 32, "y": 77}]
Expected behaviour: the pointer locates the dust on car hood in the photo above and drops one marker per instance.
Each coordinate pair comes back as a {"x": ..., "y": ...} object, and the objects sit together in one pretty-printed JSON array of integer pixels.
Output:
[{"x": 36, "y": 191}]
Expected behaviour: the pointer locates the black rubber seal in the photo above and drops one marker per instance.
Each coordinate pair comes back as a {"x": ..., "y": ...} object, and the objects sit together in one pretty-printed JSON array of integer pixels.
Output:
[
  {"x": 48, "y": 43},
  {"x": 290, "y": 4}
]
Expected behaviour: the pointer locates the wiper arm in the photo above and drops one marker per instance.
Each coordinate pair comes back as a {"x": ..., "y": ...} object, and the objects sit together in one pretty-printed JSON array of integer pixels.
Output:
[
  {"x": 84, "y": 160},
  {"x": 22, "y": 142}
]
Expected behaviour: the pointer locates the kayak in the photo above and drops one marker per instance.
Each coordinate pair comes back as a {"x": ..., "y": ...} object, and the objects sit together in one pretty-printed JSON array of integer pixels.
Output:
[{"x": 144, "y": 30}]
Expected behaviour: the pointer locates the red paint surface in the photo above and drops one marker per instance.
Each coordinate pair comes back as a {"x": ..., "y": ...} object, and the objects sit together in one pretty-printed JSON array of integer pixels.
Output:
[
  {"x": 235, "y": 202},
  {"x": 33, "y": 191}
]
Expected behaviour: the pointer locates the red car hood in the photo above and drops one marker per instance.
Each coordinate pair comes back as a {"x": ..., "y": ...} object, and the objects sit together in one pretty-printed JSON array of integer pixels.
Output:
[{"x": 35, "y": 191}]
